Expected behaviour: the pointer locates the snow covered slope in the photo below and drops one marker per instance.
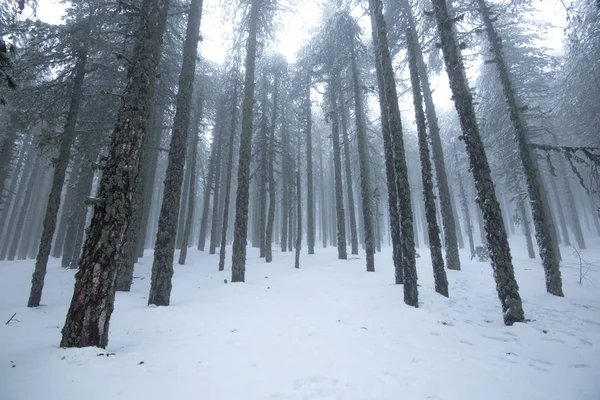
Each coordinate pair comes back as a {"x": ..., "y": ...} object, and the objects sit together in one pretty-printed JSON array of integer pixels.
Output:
[{"x": 327, "y": 331}]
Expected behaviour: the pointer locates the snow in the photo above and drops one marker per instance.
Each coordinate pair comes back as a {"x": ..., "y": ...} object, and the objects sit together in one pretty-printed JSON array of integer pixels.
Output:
[{"x": 329, "y": 330}]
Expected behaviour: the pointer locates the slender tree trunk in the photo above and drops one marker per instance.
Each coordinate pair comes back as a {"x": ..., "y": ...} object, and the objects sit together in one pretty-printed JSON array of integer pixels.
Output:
[
  {"x": 238, "y": 260},
  {"x": 526, "y": 226},
  {"x": 164, "y": 249},
  {"x": 233, "y": 128},
  {"x": 393, "y": 211},
  {"x": 363, "y": 161},
  {"x": 67, "y": 208},
  {"x": 501, "y": 259},
  {"x": 465, "y": 209},
  {"x": 87, "y": 321},
  {"x": 411, "y": 295},
  {"x": 185, "y": 194},
  {"x": 299, "y": 218},
  {"x": 433, "y": 230},
  {"x": 208, "y": 187},
  {"x": 339, "y": 197},
  {"x": 323, "y": 205},
  {"x": 262, "y": 177},
  {"x": 445, "y": 200},
  {"x": 214, "y": 224},
  {"x": 348, "y": 175},
  {"x": 574, "y": 220},
  {"x": 285, "y": 178},
  {"x": 310, "y": 205},
  {"x": 271, "y": 177},
  {"x": 12, "y": 201},
  {"x": 58, "y": 179}
]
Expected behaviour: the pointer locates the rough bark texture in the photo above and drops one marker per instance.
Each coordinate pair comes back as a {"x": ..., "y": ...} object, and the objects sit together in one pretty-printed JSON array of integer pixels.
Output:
[
  {"x": 433, "y": 230},
  {"x": 164, "y": 249},
  {"x": 58, "y": 179},
  {"x": 339, "y": 195},
  {"x": 411, "y": 295},
  {"x": 541, "y": 220},
  {"x": 501, "y": 259},
  {"x": 232, "y": 130},
  {"x": 88, "y": 318},
  {"x": 445, "y": 199},
  {"x": 363, "y": 161},
  {"x": 240, "y": 234},
  {"x": 394, "y": 213}
]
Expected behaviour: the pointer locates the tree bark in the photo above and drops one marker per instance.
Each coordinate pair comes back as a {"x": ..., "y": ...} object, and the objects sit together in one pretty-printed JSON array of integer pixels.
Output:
[
  {"x": 433, "y": 230},
  {"x": 501, "y": 259},
  {"x": 299, "y": 218},
  {"x": 87, "y": 321},
  {"x": 271, "y": 177}
]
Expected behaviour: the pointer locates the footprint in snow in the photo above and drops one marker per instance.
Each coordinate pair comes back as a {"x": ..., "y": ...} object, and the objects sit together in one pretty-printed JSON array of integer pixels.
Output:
[{"x": 587, "y": 342}]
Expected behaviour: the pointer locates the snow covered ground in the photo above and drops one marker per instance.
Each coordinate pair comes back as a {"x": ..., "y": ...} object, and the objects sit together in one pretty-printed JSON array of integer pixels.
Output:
[{"x": 327, "y": 331}]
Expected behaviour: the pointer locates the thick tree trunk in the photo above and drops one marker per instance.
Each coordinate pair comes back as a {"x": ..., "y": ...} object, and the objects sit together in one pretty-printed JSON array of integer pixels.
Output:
[
  {"x": 363, "y": 161},
  {"x": 232, "y": 131},
  {"x": 238, "y": 260},
  {"x": 58, "y": 178},
  {"x": 390, "y": 174},
  {"x": 164, "y": 249},
  {"x": 87, "y": 321},
  {"x": 433, "y": 230},
  {"x": 501, "y": 259},
  {"x": 445, "y": 199},
  {"x": 339, "y": 196},
  {"x": 411, "y": 295}
]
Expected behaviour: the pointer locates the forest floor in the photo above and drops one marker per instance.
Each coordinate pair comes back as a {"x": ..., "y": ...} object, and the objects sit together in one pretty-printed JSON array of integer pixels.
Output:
[{"x": 327, "y": 331}]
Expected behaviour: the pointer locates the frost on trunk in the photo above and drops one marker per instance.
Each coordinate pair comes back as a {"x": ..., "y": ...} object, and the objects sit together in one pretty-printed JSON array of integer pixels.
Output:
[
  {"x": 310, "y": 207},
  {"x": 393, "y": 211},
  {"x": 192, "y": 159},
  {"x": 363, "y": 161},
  {"x": 164, "y": 248},
  {"x": 240, "y": 233},
  {"x": 337, "y": 159},
  {"x": 409, "y": 267},
  {"x": 445, "y": 198},
  {"x": 58, "y": 178},
  {"x": 271, "y": 176},
  {"x": 228, "y": 177},
  {"x": 433, "y": 231},
  {"x": 501, "y": 259},
  {"x": 87, "y": 320},
  {"x": 348, "y": 176},
  {"x": 541, "y": 220}
]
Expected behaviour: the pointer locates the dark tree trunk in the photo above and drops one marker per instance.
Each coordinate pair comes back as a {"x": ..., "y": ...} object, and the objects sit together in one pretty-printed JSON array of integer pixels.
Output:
[
  {"x": 238, "y": 259},
  {"x": 411, "y": 295},
  {"x": 262, "y": 177},
  {"x": 348, "y": 176},
  {"x": 310, "y": 205},
  {"x": 214, "y": 224},
  {"x": 232, "y": 130},
  {"x": 390, "y": 174},
  {"x": 448, "y": 220},
  {"x": 87, "y": 321},
  {"x": 285, "y": 183},
  {"x": 339, "y": 196},
  {"x": 12, "y": 201},
  {"x": 192, "y": 157},
  {"x": 323, "y": 205},
  {"x": 58, "y": 178},
  {"x": 541, "y": 220},
  {"x": 363, "y": 161},
  {"x": 271, "y": 177},
  {"x": 433, "y": 230},
  {"x": 164, "y": 248},
  {"x": 501, "y": 260}
]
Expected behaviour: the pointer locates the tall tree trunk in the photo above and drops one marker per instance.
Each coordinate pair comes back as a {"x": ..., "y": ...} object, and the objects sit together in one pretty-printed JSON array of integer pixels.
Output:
[
  {"x": 67, "y": 208},
  {"x": 262, "y": 177},
  {"x": 526, "y": 226},
  {"x": 348, "y": 175},
  {"x": 87, "y": 321},
  {"x": 390, "y": 174},
  {"x": 271, "y": 177},
  {"x": 185, "y": 195},
  {"x": 448, "y": 220},
  {"x": 433, "y": 231},
  {"x": 299, "y": 218},
  {"x": 310, "y": 205},
  {"x": 58, "y": 179},
  {"x": 164, "y": 249},
  {"x": 232, "y": 131},
  {"x": 323, "y": 205},
  {"x": 208, "y": 187},
  {"x": 214, "y": 224},
  {"x": 192, "y": 157},
  {"x": 541, "y": 220},
  {"x": 501, "y": 259},
  {"x": 465, "y": 208},
  {"x": 285, "y": 183},
  {"x": 411, "y": 295},
  {"x": 363, "y": 161},
  {"x": 11, "y": 201},
  {"x": 574, "y": 220},
  {"x": 339, "y": 197},
  {"x": 238, "y": 260}
]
